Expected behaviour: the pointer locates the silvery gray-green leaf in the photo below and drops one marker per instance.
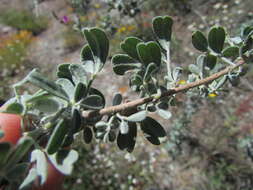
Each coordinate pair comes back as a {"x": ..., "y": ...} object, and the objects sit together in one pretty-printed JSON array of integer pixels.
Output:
[
  {"x": 41, "y": 164},
  {"x": 221, "y": 82},
  {"x": 123, "y": 127},
  {"x": 151, "y": 68},
  {"x": 67, "y": 86},
  {"x": 32, "y": 175},
  {"x": 137, "y": 117},
  {"x": 194, "y": 69},
  {"x": 46, "y": 105},
  {"x": 67, "y": 164},
  {"x": 78, "y": 74},
  {"x": 164, "y": 113},
  {"x": 176, "y": 73}
]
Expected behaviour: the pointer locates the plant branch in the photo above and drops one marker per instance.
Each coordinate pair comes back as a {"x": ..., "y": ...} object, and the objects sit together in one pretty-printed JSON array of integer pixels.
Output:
[{"x": 133, "y": 104}]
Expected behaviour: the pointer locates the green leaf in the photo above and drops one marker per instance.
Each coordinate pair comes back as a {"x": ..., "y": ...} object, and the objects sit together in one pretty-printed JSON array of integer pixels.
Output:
[
  {"x": 89, "y": 64},
  {"x": 117, "y": 99},
  {"x": 94, "y": 91},
  {"x": 46, "y": 105},
  {"x": 216, "y": 38},
  {"x": 247, "y": 45},
  {"x": 61, "y": 155},
  {"x": 87, "y": 135},
  {"x": 194, "y": 69},
  {"x": 210, "y": 61},
  {"x": 32, "y": 175},
  {"x": 136, "y": 81},
  {"x": 122, "y": 63},
  {"x": 22, "y": 148},
  {"x": 80, "y": 92},
  {"x": 151, "y": 68},
  {"x": 56, "y": 138},
  {"x": 14, "y": 108},
  {"x": 137, "y": 117},
  {"x": 129, "y": 45},
  {"x": 76, "y": 121},
  {"x": 112, "y": 136},
  {"x": 42, "y": 82},
  {"x": 162, "y": 27},
  {"x": 78, "y": 74},
  {"x": 67, "y": 165},
  {"x": 98, "y": 43},
  {"x": 4, "y": 153},
  {"x": 153, "y": 131},
  {"x": 232, "y": 51},
  {"x": 199, "y": 41},
  {"x": 67, "y": 86},
  {"x": 17, "y": 171},
  {"x": 221, "y": 82},
  {"x": 246, "y": 31},
  {"x": 149, "y": 52},
  {"x": 127, "y": 141},
  {"x": 176, "y": 73},
  {"x": 41, "y": 164},
  {"x": 86, "y": 54},
  {"x": 68, "y": 140},
  {"x": 93, "y": 102},
  {"x": 63, "y": 71}
]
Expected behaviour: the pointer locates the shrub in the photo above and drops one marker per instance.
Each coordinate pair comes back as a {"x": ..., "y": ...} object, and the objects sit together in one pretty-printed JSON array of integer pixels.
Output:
[
  {"x": 13, "y": 49},
  {"x": 73, "y": 105},
  {"x": 13, "y": 52},
  {"x": 24, "y": 20}
]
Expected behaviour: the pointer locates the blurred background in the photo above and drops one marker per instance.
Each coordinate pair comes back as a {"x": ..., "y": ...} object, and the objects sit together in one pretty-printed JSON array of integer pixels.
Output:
[{"x": 209, "y": 145}]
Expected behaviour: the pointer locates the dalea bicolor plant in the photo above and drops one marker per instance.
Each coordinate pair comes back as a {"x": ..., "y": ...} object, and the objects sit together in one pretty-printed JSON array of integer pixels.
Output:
[{"x": 60, "y": 109}]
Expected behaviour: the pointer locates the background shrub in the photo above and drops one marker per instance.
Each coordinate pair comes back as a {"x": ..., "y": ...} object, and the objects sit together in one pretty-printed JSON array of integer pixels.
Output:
[{"x": 24, "y": 20}]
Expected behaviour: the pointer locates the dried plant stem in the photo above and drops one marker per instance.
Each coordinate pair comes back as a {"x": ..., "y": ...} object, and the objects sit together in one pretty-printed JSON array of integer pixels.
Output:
[{"x": 132, "y": 104}]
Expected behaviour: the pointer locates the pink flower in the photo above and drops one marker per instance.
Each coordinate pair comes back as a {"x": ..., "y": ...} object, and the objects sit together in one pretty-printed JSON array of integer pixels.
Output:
[{"x": 65, "y": 19}]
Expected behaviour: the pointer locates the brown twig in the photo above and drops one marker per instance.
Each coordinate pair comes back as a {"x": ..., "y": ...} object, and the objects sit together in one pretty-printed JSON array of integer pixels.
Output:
[{"x": 132, "y": 104}]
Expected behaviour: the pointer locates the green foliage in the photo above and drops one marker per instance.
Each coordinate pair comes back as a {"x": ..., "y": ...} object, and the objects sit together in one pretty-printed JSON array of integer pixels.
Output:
[
  {"x": 24, "y": 20},
  {"x": 71, "y": 105}
]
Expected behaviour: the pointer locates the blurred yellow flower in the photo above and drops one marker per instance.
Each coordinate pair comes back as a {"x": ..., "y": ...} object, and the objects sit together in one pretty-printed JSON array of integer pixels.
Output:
[
  {"x": 212, "y": 95},
  {"x": 97, "y": 5},
  {"x": 182, "y": 82},
  {"x": 13, "y": 48}
]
